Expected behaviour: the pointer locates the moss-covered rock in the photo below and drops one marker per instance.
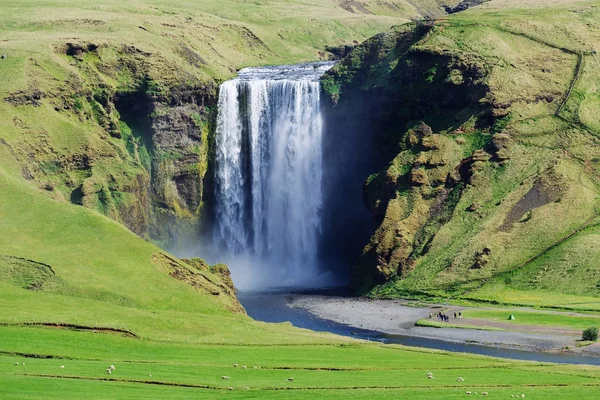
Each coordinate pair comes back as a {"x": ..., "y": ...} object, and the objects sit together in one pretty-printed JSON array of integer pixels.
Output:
[
  {"x": 141, "y": 157},
  {"x": 477, "y": 168}
]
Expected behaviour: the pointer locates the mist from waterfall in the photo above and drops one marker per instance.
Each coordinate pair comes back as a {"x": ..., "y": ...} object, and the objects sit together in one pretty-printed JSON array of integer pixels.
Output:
[{"x": 268, "y": 176}]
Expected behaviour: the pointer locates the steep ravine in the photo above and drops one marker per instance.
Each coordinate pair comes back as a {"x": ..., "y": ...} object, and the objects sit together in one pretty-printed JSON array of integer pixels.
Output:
[{"x": 397, "y": 86}]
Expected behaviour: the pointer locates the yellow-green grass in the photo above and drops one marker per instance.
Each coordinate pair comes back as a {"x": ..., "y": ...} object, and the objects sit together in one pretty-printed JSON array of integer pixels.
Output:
[
  {"x": 146, "y": 368},
  {"x": 289, "y": 31},
  {"x": 498, "y": 292},
  {"x": 105, "y": 277},
  {"x": 32, "y": 388},
  {"x": 427, "y": 323},
  {"x": 537, "y": 318}
]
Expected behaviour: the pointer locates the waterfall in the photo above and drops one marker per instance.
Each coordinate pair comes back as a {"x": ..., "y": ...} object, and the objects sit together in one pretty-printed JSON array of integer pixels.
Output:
[{"x": 268, "y": 174}]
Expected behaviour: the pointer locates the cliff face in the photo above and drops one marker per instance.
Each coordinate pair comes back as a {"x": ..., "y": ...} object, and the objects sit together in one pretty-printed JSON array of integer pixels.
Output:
[
  {"x": 144, "y": 156},
  {"x": 398, "y": 84},
  {"x": 464, "y": 195}
]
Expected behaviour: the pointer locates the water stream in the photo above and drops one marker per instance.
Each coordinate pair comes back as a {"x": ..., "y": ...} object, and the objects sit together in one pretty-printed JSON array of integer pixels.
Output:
[{"x": 272, "y": 307}]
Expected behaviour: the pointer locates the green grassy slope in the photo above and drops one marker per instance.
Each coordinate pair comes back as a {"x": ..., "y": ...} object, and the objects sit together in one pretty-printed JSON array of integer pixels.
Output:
[
  {"x": 64, "y": 264},
  {"x": 219, "y": 31},
  {"x": 501, "y": 200},
  {"x": 145, "y": 368}
]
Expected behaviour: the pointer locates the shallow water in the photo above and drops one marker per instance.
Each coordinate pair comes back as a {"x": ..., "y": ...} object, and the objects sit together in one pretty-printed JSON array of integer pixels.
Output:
[{"x": 272, "y": 307}]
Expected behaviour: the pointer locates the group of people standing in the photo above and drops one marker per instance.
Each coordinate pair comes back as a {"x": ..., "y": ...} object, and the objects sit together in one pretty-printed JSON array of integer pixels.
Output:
[{"x": 444, "y": 318}]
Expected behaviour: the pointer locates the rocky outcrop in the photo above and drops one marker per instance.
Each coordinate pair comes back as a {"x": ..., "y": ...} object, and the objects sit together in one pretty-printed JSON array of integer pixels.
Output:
[
  {"x": 195, "y": 273},
  {"x": 180, "y": 183},
  {"x": 464, "y": 5}
]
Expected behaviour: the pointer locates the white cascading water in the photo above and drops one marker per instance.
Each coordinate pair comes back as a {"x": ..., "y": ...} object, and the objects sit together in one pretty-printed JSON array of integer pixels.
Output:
[{"x": 268, "y": 175}]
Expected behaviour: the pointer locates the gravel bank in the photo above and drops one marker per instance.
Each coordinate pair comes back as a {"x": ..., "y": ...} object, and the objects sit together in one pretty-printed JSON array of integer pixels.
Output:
[{"x": 395, "y": 318}]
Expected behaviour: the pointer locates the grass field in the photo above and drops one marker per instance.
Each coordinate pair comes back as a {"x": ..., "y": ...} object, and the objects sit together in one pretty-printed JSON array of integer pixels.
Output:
[
  {"x": 537, "y": 318},
  {"x": 428, "y": 323},
  {"x": 146, "y": 368},
  {"x": 79, "y": 290}
]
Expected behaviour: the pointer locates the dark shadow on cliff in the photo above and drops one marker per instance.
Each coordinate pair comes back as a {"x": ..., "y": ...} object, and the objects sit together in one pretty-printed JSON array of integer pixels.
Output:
[{"x": 378, "y": 93}]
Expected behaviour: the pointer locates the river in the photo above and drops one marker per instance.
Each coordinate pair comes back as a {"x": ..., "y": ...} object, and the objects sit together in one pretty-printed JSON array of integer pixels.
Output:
[{"x": 273, "y": 307}]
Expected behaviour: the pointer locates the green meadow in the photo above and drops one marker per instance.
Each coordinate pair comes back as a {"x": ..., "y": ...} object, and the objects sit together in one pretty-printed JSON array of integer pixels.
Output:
[{"x": 338, "y": 369}]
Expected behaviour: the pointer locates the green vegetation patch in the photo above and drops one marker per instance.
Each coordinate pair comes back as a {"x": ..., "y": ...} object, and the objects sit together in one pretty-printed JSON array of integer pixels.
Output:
[{"x": 539, "y": 318}]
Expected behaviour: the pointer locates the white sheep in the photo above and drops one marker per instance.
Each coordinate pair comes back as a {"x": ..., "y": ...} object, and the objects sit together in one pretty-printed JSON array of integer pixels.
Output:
[
  {"x": 112, "y": 367},
  {"x": 23, "y": 364},
  {"x": 243, "y": 367},
  {"x": 460, "y": 379},
  {"x": 109, "y": 371},
  {"x": 150, "y": 375},
  {"x": 522, "y": 396},
  {"x": 484, "y": 393},
  {"x": 229, "y": 388},
  {"x": 62, "y": 367},
  {"x": 225, "y": 377},
  {"x": 235, "y": 365},
  {"x": 247, "y": 388},
  {"x": 18, "y": 364},
  {"x": 468, "y": 392},
  {"x": 290, "y": 379}
]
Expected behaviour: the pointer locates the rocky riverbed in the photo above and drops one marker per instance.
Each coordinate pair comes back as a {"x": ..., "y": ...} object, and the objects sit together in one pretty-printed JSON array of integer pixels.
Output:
[{"x": 397, "y": 317}]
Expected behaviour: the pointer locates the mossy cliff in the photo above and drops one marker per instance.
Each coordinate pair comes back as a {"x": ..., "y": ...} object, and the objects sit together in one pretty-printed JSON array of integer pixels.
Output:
[
  {"x": 485, "y": 185},
  {"x": 144, "y": 155}
]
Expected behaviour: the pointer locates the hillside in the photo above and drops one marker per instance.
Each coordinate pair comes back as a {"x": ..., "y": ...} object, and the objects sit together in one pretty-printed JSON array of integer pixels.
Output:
[
  {"x": 488, "y": 123},
  {"x": 110, "y": 105}
]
